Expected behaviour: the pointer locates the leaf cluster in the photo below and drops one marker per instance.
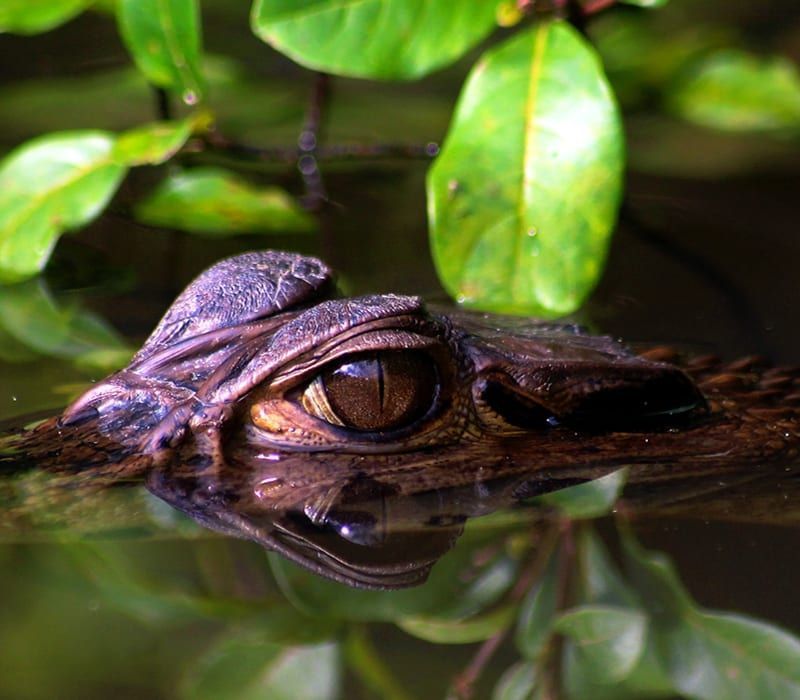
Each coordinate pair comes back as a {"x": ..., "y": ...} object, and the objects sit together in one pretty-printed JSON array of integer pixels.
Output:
[{"x": 523, "y": 195}]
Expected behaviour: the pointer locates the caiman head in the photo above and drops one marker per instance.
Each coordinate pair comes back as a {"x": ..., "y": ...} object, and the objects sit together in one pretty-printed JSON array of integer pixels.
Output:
[{"x": 266, "y": 408}]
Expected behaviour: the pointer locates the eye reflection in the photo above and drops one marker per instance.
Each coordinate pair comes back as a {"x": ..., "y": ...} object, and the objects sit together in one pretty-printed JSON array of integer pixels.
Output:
[{"x": 374, "y": 391}]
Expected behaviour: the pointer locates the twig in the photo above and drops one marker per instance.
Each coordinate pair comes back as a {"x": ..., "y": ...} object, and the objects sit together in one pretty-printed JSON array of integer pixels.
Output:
[{"x": 308, "y": 143}]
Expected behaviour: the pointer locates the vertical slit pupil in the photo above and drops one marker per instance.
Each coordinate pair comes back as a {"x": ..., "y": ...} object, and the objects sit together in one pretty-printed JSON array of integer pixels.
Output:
[{"x": 382, "y": 390}]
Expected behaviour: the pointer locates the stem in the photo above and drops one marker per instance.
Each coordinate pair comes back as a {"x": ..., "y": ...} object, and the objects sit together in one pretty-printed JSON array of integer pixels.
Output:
[
  {"x": 308, "y": 143},
  {"x": 369, "y": 667}
]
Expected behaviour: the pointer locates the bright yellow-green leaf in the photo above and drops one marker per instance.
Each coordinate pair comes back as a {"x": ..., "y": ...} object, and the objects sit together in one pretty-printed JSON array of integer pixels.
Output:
[
  {"x": 61, "y": 181},
  {"x": 383, "y": 39},
  {"x": 153, "y": 143},
  {"x": 523, "y": 198},
  {"x": 163, "y": 37},
  {"x": 736, "y": 91},
  {"x": 33, "y": 16},
  {"x": 213, "y": 201},
  {"x": 50, "y": 185}
]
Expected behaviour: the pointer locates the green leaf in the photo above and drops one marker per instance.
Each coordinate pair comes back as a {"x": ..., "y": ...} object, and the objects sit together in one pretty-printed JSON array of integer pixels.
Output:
[
  {"x": 384, "y": 39},
  {"x": 163, "y": 37},
  {"x": 538, "y": 610},
  {"x": 214, "y": 201},
  {"x": 49, "y": 185},
  {"x": 153, "y": 144},
  {"x": 34, "y": 16},
  {"x": 733, "y": 90},
  {"x": 61, "y": 181},
  {"x": 443, "y": 631},
  {"x": 524, "y": 195},
  {"x": 249, "y": 669},
  {"x": 590, "y": 500},
  {"x": 517, "y": 683},
  {"x": 712, "y": 655},
  {"x": 609, "y": 640}
]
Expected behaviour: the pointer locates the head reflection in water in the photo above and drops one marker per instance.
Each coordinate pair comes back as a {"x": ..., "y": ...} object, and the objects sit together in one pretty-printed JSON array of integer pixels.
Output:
[{"x": 356, "y": 436}]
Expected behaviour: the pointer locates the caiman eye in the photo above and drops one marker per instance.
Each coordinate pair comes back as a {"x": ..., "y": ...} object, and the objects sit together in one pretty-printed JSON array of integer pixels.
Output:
[{"x": 374, "y": 391}]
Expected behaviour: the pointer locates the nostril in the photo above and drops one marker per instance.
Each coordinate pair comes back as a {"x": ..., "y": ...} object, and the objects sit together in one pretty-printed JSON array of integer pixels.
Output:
[{"x": 516, "y": 409}]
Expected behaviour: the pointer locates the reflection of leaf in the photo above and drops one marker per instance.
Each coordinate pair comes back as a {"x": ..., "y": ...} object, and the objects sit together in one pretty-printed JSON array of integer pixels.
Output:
[
  {"x": 27, "y": 17},
  {"x": 538, "y": 611},
  {"x": 608, "y": 641},
  {"x": 213, "y": 201},
  {"x": 711, "y": 654},
  {"x": 32, "y": 319},
  {"x": 443, "y": 631},
  {"x": 524, "y": 195},
  {"x": 61, "y": 181},
  {"x": 736, "y": 91},
  {"x": 517, "y": 683},
  {"x": 447, "y": 593},
  {"x": 593, "y": 499},
  {"x": 391, "y": 39},
  {"x": 600, "y": 586},
  {"x": 164, "y": 38},
  {"x": 244, "y": 667}
]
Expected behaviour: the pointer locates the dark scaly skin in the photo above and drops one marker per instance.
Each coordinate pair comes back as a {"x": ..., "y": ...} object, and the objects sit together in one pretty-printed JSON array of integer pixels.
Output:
[{"x": 522, "y": 408}]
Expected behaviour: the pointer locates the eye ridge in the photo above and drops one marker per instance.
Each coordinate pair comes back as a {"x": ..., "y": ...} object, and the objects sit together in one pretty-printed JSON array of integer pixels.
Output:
[{"x": 374, "y": 391}]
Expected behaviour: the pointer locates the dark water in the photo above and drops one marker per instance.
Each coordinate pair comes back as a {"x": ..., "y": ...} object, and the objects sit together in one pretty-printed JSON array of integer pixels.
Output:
[{"x": 92, "y": 611}]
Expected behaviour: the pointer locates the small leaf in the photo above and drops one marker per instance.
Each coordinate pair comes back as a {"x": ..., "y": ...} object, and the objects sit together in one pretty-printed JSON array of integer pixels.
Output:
[
  {"x": 517, "y": 683},
  {"x": 473, "y": 629},
  {"x": 32, "y": 17},
  {"x": 736, "y": 91},
  {"x": 49, "y": 185},
  {"x": 216, "y": 202},
  {"x": 247, "y": 668},
  {"x": 524, "y": 195},
  {"x": 153, "y": 144},
  {"x": 593, "y": 499},
  {"x": 163, "y": 37},
  {"x": 609, "y": 640},
  {"x": 383, "y": 39}
]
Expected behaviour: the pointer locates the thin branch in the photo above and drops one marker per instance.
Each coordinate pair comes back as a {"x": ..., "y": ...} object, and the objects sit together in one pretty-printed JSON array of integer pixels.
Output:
[{"x": 308, "y": 144}]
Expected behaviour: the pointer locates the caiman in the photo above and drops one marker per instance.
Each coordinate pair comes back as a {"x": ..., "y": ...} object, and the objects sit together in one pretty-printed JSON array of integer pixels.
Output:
[{"x": 267, "y": 408}]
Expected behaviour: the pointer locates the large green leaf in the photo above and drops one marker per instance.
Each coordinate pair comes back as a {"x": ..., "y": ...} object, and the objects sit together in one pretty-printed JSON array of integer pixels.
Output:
[
  {"x": 736, "y": 91},
  {"x": 33, "y": 16},
  {"x": 214, "y": 201},
  {"x": 523, "y": 198},
  {"x": 385, "y": 39},
  {"x": 163, "y": 37},
  {"x": 58, "y": 182},
  {"x": 47, "y": 186},
  {"x": 712, "y": 655},
  {"x": 444, "y": 631}
]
